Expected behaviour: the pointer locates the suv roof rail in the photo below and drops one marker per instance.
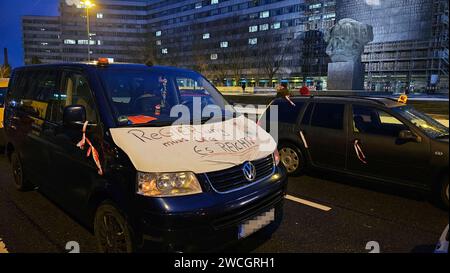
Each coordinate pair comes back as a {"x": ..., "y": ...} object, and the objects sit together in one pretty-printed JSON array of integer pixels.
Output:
[{"x": 372, "y": 99}]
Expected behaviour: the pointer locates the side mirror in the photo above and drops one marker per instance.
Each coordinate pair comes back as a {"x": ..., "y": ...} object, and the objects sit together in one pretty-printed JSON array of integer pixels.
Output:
[
  {"x": 407, "y": 135},
  {"x": 74, "y": 116}
]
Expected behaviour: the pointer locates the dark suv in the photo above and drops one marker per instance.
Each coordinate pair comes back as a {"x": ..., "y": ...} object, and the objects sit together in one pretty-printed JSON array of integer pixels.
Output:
[
  {"x": 370, "y": 138},
  {"x": 102, "y": 142}
]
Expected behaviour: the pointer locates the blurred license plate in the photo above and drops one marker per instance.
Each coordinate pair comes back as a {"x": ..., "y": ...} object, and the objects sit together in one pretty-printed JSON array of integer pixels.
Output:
[{"x": 256, "y": 223}]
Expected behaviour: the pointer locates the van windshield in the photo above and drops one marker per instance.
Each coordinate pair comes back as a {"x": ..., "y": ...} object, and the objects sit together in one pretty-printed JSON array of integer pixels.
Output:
[
  {"x": 161, "y": 96},
  {"x": 428, "y": 125},
  {"x": 2, "y": 96}
]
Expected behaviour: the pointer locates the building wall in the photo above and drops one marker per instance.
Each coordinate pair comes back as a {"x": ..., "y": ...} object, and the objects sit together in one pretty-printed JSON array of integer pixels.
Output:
[
  {"x": 392, "y": 20},
  {"x": 230, "y": 40},
  {"x": 260, "y": 42},
  {"x": 117, "y": 30},
  {"x": 402, "y": 55},
  {"x": 41, "y": 38}
]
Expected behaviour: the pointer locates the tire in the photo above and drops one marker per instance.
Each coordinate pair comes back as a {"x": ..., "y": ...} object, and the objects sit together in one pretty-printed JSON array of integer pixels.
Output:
[
  {"x": 292, "y": 158},
  {"x": 112, "y": 231},
  {"x": 444, "y": 192},
  {"x": 20, "y": 181}
]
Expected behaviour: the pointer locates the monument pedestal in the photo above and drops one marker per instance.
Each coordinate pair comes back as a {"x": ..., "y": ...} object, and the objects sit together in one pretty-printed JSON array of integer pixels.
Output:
[{"x": 345, "y": 76}]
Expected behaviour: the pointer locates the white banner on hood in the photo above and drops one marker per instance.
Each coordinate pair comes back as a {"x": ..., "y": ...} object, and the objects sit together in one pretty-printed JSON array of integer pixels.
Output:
[{"x": 197, "y": 148}]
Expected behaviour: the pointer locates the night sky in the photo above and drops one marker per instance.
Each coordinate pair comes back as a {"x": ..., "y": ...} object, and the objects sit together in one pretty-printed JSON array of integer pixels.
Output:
[{"x": 11, "y": 12}]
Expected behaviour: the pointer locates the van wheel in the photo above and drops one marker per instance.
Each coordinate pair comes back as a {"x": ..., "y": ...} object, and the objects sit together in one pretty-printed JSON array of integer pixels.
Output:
[
  {"x": 112, "y": 231},
  {"x": 20, "y": 181},
  {"x": 292, "y": 158},
  {"x": 444, "y": 192}
]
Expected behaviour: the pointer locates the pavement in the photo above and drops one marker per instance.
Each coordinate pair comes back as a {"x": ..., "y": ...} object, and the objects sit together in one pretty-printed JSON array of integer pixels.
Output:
[{"x": 322, "y": 213}]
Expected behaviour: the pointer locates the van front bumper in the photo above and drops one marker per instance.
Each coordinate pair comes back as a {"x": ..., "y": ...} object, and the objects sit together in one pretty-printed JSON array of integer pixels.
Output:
[{"x": 210, "y": 220}]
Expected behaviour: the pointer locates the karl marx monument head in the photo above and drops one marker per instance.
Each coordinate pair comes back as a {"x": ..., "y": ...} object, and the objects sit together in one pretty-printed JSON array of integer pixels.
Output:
[{"x": 346, "y": 40}]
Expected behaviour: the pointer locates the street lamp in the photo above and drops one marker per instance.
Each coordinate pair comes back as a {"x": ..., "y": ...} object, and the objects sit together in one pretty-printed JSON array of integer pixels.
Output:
[{"x": 88, "y": 5}]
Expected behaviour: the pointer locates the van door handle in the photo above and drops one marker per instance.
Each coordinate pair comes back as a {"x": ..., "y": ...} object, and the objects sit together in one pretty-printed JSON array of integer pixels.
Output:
[{"x": 359, "y": 152}]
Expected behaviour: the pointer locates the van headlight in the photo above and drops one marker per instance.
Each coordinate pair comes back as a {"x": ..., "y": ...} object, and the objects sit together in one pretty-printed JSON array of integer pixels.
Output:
[{"x": 167, "y": 184}]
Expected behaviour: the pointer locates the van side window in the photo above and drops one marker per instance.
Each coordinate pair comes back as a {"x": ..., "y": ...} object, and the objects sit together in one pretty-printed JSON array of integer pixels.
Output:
[
  {"x": 368, "y": 120},
  {"x": 328, "y": 115},
  {"x": 12, "y": 92},
  {"x": 36, "y": 88},
  {"x": 17, "y": 86},
  {"x": 2, "y": 96},
  {"x": 76, "y": 91},
  {"x": 307, "y": 116}
]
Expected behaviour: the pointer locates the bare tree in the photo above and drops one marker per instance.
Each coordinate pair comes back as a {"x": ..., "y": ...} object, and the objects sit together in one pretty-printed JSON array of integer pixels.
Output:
[
  {"x": 271, "y": 53},
  {"x": 35, "y": 60},
  {"x": 237, "y": 61},
  {"x": 5, "y": 71}
]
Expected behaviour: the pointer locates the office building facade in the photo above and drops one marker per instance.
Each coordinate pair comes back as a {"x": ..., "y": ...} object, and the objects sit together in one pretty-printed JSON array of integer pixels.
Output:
[
  {"x": 260, "y": 42},
  {"x": 117, "y": 30},
  {"x": 41, "y": 39},
  {"x": 231, "y": 41},
  {"x": 410, "y": 46}
]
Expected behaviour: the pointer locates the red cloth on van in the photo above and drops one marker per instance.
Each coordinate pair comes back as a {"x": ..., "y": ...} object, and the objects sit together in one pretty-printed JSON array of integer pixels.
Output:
[
  {"x": 304, "y": 91},
  {"x": 141, "y": 119},
  {"x": 91, "y": 150}
]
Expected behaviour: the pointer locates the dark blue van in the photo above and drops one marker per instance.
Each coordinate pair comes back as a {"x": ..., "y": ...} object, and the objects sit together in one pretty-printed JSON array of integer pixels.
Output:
[{"x": 105, "y": 142}]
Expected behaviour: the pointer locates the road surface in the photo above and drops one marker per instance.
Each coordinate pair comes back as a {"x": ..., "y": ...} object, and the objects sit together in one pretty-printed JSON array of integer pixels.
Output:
[{"x": 321, "y": 214}]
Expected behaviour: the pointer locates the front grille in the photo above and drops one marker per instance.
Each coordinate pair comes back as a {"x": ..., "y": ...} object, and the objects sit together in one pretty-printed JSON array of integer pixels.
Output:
[{"x": 233, "y": 178}]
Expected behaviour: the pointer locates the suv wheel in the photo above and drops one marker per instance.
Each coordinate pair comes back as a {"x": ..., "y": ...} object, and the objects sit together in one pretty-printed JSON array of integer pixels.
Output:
[
  {"x": 112, "y": 230},
  {"x": 18, "y": 173},
  {"x": 444, "y": 192},
  {"x": 292, "y": 158}
]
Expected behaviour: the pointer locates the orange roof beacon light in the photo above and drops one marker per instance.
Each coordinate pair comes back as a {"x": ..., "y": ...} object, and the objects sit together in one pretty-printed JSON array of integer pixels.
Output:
[
  {"x": 102, "y": 61},
  {"x": 403, "y": 99}
]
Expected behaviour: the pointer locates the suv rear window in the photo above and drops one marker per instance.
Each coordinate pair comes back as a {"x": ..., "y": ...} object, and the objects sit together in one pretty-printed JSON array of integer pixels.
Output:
[{"x": 328, "y": 115}]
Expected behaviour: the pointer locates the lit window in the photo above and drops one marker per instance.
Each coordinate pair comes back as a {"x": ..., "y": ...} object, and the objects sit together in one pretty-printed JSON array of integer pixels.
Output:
[
  {"x": 214, "y": 56},
  {"x": 164, "y": 51},
  {"x": 206, "y": 36},
  {"x": 313, "y": 18},
  {"x": 85, "y": 42},
  {"x": 99, "y": 42},
  {"x": 69, "y": 42},
  {"x": 44, "y": 44},
  {"x": 253, "y": 29},
  {"x": 253, "y": 41},
  {"x": 264, "y": 27},
  {"x": 264, "y": 14},
  {"x": 276, "y": 25},
  {"x": 315, "y": 6},
  {"x": 198, "y": 5},
  {"x": 158, "y": 33},
  {"x": 99, "y": 15},
  {"x": 158, "y": 42},
  {"x": 224, "y": 44},
  {"x": 43, "y": 29},
  {"x": 214, "y": 2},
  {"x": 329, "y": 15}
]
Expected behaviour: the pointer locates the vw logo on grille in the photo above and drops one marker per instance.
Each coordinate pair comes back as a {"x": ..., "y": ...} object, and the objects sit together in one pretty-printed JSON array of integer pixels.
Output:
[{"x": 249, "y": 171}]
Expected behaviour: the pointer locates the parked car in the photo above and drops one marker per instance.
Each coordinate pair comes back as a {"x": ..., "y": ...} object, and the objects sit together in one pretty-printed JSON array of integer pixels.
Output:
[
  {"x": 99, "y": 140},
  {"x": 370, "y": 138},
  {"x": 3, "y": 87}
]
